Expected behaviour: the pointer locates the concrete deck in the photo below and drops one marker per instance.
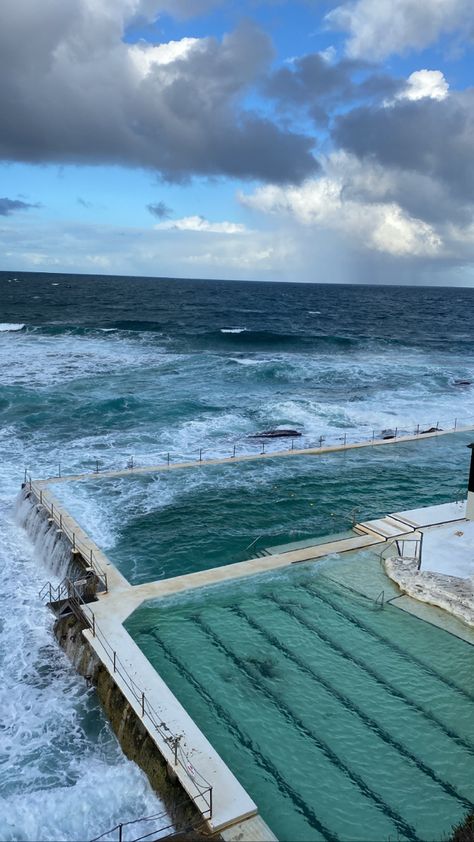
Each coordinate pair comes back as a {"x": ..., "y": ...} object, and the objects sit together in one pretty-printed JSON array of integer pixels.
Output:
[{"x": 445, "y": 577}]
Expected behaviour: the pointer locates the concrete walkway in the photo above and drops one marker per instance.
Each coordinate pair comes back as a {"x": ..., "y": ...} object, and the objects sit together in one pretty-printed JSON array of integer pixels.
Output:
[{"x": 251, "y": 457}]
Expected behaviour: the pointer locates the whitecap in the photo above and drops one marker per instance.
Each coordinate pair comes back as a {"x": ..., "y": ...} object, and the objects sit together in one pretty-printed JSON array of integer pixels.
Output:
[
  {"x": 7, "y": 326},
  {"x": 314, "y": 312},
  {"x": 233, "y": 329}
]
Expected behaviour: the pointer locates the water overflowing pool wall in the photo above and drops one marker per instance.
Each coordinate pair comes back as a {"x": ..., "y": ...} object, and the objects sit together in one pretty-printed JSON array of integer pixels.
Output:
[{"x": 57, "y": 552}]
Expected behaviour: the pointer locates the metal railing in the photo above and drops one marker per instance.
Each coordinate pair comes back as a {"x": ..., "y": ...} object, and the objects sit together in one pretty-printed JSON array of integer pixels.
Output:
[
  {"x": 264, "y": 447},
  {"x": 119, "y": 830},
  {"x": 77, "y": 545},
  {"x": 400, "y": 542},
  {"x": 201, "y": 789}
]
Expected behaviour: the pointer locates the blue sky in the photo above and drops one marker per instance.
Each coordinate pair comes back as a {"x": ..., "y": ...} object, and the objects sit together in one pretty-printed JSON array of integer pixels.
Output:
[{"x": 258, "y": 140}]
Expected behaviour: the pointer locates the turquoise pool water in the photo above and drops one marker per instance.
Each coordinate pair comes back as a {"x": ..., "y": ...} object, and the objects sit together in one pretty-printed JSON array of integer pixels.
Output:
[
  {"x": 162, "y": 525},
  {"x": 344, "y": 721}
]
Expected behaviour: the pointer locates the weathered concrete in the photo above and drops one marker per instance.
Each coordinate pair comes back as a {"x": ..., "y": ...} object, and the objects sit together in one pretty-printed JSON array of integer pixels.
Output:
[{"x": 131, "y": 732}]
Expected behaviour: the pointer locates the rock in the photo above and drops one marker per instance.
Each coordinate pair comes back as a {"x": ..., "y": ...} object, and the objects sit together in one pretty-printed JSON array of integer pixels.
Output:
[{"x": 276, "y": 434}]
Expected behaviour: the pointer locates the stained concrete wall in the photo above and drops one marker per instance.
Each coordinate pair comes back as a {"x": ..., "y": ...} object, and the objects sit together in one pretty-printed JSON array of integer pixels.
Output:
[{"x": 132, "y": 735}]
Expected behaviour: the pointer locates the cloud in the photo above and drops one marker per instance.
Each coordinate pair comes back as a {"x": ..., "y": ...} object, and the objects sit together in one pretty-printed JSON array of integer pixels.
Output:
[
  {"x": 160, "y": 210},
  {"x": 332, "y": 202},
  {"x": 429, "y": 138},
  {"x": 72, "y": 91},
  {"x": 131, "y": 250},
  {"x": 316, "y": 83},
  {"x": 425, "y": 83},
  {"x": 9, "y": 206},
  {"x": 199, "y": 223},
  {"x": 379, "y": 28}
]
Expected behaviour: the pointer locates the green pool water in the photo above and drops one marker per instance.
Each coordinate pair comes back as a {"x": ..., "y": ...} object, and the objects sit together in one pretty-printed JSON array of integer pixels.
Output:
[
  {"x": 343, "y": 721},
  {"x": 166, "y": 524}
]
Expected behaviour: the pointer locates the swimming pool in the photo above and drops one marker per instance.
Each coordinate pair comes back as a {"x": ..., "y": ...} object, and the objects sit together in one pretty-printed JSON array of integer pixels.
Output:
[
  {"x": 341, "y": 719},
  {"x": 165, "y": 524}
]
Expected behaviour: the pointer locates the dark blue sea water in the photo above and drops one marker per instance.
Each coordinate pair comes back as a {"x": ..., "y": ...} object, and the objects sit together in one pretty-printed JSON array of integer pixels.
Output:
[{"x": 100, "y": 368}]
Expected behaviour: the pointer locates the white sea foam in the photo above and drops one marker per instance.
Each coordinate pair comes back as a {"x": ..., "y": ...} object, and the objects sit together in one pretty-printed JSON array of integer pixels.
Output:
[
  {"x": 7, "y": 327},
  {"x": 233, "y": 329}
]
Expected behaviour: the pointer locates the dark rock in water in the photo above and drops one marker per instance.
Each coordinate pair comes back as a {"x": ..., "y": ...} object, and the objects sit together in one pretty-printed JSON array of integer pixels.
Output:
[
  {"x": 276, "y": 434},
  {"x": 388, "y": 434},
  {"x": 462, "y": 383},
  {"x": 432, "y": 430}
]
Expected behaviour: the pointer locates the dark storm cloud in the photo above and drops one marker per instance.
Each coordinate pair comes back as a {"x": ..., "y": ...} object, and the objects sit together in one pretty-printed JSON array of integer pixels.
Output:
[
  {"x": 72, "y": 92},
  {"x": 160, "y": 210},
  {"x": 9, "y": 206},
  {"x": 314, "y": 83},
  {"x": 429, "y": 138}
]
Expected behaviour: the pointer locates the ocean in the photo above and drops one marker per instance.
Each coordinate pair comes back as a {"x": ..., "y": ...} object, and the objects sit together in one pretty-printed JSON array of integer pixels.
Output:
[{"x": 97, "y": 371}]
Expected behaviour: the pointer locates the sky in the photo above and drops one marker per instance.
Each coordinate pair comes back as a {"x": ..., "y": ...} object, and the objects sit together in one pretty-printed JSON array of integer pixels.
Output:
[{"x": 311, "y": 140}]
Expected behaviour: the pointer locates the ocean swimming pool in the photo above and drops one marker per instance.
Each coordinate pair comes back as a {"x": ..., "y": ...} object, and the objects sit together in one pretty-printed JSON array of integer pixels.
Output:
[
  {"x": 341, "y": 719},
  {"x": 162, "y": 525}
]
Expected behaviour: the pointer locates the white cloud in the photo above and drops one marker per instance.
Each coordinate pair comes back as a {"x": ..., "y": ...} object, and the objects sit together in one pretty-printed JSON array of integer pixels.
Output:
[
  {"x": 378, "y": 28},
  {"x": 425, "y": 83},
  {"x": 330, "y": 202},
  {"x": 144, "y": 56},
  {"x": 200, "y": 223}
]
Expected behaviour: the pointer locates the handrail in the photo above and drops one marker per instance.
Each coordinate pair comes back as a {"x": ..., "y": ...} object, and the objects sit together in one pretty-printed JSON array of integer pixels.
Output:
[
  {"x": 77, "y": 545},
  {"x": 406, "y": 538},
  {"x": 68, "y": 588},
  {"x": 253, "y": 543},
  {"x": 401, "y": 430}
]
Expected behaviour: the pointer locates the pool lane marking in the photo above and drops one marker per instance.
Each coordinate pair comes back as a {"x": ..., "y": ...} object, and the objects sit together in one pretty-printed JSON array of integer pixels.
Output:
[
  {"x": 356, "y": 621},
  {"x": 294, "y": 719},
  {"x": 383, "y": 682},
  {"x": 262, "y": 760},
  {"x": 354, "y": 708}
]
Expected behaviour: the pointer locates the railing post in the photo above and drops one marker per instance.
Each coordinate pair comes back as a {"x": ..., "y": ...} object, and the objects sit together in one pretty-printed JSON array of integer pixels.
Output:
[
  {"x": 292, "y": 444},
  {"x": 91, "y": 557},
  {"x": 168, "y": 460},
  {"x": 143, "y": 704},
  {"x": 52, "y": 510},
  {"x": 26, "y": 474},
  {"x": 417, "y": 429},
  {"x": 396, "y": 431},
  {"x": 200, "y": 454},
  {"x": 455, "y": 423},
  {"x": 59, "y": 469},
  {"x": 93, "y": 625},
  {"x": 233, "y": 454},
  {"x": 345, "y": 439},
  {"x": 41, "y": 496},
  {"x": 210, "y": 802},
  {"x": 115, "y": 656},
  {"x": 60, "y": 521},
  {"x": 263, "y": 447},
  {"x": 120, "y": 827},
  {"x": 373, "y": 435},
  {"x": 74, "y": 540}
]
